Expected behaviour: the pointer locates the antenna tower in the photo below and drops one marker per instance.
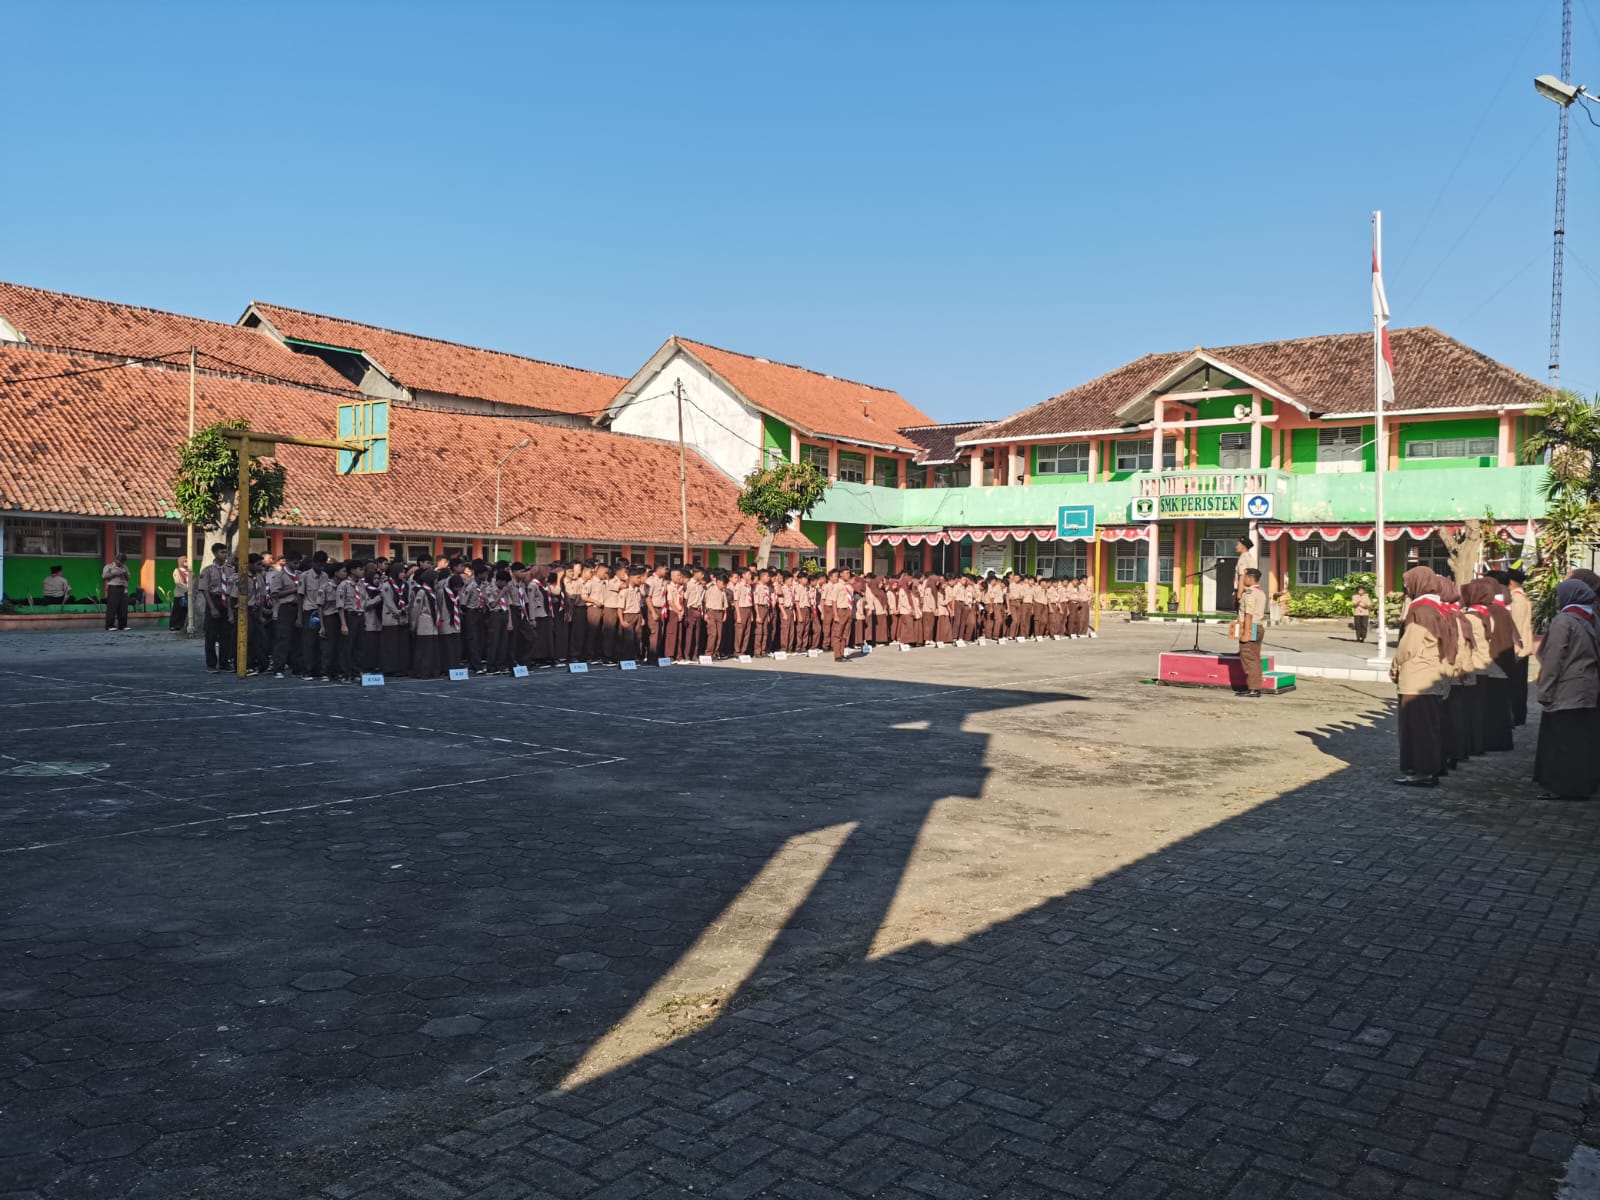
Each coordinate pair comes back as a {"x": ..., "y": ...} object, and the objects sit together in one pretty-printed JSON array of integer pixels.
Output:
[{"x": 1561, "y": 201}]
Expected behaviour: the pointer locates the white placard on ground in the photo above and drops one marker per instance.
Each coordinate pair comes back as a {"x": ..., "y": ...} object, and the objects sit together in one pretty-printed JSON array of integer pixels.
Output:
[
  {"x": 745, "y": 658},
  {"x": 370, "y": 680},
  {"x": 938, "y": 645},
  {"x": 904, "y": 649},
  {"x": 959, "y": 644},
  {"x": 780, "y": 655},
  {"x": 706, "y": 660},
  {"x": 519, "y": 672},
  {"x": 983, "y": 641},
  {"x": 1002, "y": 641},
  {"x": 813, "y": 653},
  {"x": 578, "y": 668},
  {"x": 663, "y": 661},
  {"x": 458, "y": 673},
  {"x": 628, "y": 664},
  {"x": 867, "y": 649}
]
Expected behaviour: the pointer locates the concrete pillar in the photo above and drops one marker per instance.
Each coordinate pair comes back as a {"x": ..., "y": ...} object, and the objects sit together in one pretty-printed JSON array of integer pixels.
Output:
[
  {"x": 902, "y": 473},
  {"x": 1153, "y": 567},
  {"x": 1094, "y": 459},
  {"x": 930, "y": 477},
  {"x": 650, "y": 556},
  {"x": 794, "y": 446},
  {"x": 147, "y": 561},
  {"x": 438, "y": 546},
  {"x": 275, "y": 543},
  {"x": 344, "y": 545},
  {"x": 871, "y": 463},
  {"x": 1255, "y": 431},
  {"x": 108, "y": 542},
  {"x": 833, "y": 463},
  {"x": 866, "y": 551},
  {"x": 831, "y": 543},
  {"x": 976, "y": 459},
  {"x": 477, "y": 547},
  {"x": 927, "y": 557},
  {"x": 794, "y": 560},
  {"x": 1508, "y": 441},
  {"x": 1157, "y": 457}
]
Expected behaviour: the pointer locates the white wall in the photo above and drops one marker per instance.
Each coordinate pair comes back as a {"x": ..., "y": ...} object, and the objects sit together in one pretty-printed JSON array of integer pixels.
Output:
[{"x": 716, "y": 423}]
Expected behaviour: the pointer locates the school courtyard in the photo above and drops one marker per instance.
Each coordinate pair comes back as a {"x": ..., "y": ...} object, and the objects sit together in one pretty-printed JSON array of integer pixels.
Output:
[{"x": 1001, "y": 921}]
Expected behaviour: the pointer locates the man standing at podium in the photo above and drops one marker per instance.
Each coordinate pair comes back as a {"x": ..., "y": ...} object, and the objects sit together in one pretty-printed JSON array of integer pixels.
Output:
[{"x": 1252, "y": 623}]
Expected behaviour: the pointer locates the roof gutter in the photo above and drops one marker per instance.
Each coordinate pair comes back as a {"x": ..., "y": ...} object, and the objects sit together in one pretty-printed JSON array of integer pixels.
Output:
[{"x": 1054, "y": 437}]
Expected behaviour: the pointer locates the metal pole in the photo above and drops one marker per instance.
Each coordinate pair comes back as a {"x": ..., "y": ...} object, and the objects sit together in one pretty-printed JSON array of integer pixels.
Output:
[
  {"x": 191, "y": 623},
  {"x": 1382, "y": 440},
  {"x": 241, "y": 618},
  {"x": 683, "y": 474}
]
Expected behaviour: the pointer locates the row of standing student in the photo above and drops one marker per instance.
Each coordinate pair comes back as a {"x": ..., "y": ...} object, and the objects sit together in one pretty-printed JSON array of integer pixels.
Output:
[
  {"x": 1461, "y": 668},
  {"x": 323, "y": 619}
]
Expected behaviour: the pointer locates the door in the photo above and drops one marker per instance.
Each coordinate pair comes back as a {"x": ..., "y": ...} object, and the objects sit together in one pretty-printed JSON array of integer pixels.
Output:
[{"x": 1224, "y": 584}]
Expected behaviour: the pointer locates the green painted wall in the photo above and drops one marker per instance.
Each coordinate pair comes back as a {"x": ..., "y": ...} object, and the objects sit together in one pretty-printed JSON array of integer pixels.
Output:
[
  {"x": 25, "y": 575},
  {"x": 1208, "y": 441},
  {"x": 1426, "y": 431},
  {"x": 1303, "y": 450},
  {"x": 775, "y": 436},
  {"x": 851, "y": 537}
]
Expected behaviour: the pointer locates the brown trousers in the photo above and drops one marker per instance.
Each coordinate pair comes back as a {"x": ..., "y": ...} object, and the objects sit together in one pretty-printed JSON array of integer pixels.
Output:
[
  {"x": 1250, "y": 658},
  {"x": 610, "y": 623},
  {"x": 714, "y": 620},
  {"x": 842, "y": 622},
  {"x": 743, "y": 627},
  {"x": 629, "y": 626}
]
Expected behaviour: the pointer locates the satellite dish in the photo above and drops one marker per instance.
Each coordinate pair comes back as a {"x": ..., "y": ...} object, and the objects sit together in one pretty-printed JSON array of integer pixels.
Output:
[{"x": 1241, "y": 412}]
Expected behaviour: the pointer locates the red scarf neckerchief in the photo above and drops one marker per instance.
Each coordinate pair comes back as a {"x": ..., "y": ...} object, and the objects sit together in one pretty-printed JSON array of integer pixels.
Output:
[{"x": 1581, "y": 610}]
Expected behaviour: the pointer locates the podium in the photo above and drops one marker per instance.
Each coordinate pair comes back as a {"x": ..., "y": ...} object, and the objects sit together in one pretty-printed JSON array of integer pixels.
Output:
[{"x": 1191, "y": 668}]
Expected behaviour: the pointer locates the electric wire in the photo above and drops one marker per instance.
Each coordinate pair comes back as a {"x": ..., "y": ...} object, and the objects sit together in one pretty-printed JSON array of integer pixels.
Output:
[{"x": 116, "y": 366}]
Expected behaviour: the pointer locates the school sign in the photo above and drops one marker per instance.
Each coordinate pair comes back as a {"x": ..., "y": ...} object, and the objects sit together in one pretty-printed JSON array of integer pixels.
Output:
[{"x": 1250, "y": 506}]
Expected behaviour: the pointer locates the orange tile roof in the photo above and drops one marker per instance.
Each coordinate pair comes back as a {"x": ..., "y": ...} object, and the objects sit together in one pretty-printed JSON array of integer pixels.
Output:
[
  {"x": 428, "y": 364},
  {"x": 1330, "y": 374},
  {"x": 68, "y": 322},
  {"x": 822, "y": 404},
  {"x": 103, "y": 443}
]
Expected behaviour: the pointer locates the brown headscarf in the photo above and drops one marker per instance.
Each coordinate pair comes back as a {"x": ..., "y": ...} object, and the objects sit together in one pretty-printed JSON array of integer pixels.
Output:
[
  {"x": 1419, "y": 582},
  {"x": 1497, "y": 620},
  {"x": 1451, "y": 595}
]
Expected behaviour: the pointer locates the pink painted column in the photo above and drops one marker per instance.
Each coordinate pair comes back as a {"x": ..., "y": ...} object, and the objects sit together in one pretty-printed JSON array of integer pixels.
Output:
[
  {"x": 866, "y": 551},
  {"x": 1094, "y": 459},
  {"x": 477, "y": 547},
  {"x": 108, "y": 542},
  {"x": 793, "y": 560},
  {"x": 831, "y": 546},
  {"x": 871, "y": 462},
  {"x": 438, "y": 546},
  {"x": 902, "y": 472},
  {"x": 976, "y": 468},
  {"x": 344, "y": 545},
  {"x": 275, "y": 543},
  {"x": 927, "y": 557},
  {"x": 930, "y": 477},
  {"x": 1508, "y": 441},
  {"x": 833, "y": 463}
]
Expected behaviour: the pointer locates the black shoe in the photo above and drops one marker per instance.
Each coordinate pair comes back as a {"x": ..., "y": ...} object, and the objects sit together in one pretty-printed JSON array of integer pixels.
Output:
[
  {"x": 1417, "y": 781},
  {"x": 1247, "y": 695},
  {"x": 1564, "y": 799}
]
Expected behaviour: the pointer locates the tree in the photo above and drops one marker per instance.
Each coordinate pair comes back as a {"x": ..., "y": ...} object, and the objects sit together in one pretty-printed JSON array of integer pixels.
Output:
[
  {"x": 1464, "y": 547},
  {"x": 777, "y": 496},
  {"x": 1569, "y": 445},
  {"x": 206, "y": 489}
]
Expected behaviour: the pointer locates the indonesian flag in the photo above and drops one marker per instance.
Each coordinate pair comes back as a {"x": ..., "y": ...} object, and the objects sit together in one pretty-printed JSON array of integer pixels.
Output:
[{"x": 1380, "y": 317}]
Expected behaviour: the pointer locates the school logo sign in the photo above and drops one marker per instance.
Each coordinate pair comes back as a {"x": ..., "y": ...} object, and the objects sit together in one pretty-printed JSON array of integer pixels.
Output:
[
  {"x": 1142, "y": 508},
  {"x": 1258, "y": 506},
  {"x": 1255, "y": 506}
]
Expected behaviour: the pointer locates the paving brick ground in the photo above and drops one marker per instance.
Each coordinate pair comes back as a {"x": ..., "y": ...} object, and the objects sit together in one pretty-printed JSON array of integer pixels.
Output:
[{"x": 943, "y": 924}]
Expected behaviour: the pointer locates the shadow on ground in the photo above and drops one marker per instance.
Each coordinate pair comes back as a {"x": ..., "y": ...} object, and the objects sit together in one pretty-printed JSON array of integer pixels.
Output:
[{"x": 1349, "y": 991}]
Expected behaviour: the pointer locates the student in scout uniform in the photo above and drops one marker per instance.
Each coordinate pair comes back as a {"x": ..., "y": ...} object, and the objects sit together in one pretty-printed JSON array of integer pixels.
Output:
[
  {"x": 447, "y": 593},
  {"x": 672, "y": 616},
  {"x": 743, "y": 611},
  {"x": 371, "y": 658},
  {"x": 655, "y": 584},
  {"x": 114, "y": 575},
  {"x": 761, "y": 602},
  {"x": 843, "y": 611},
  {"x": 253, "y": 593},
  {"x": 499, "y": 627},
  {"x": 611, "y": 612},
  {"x": 594, "y": 596},
  {"x": 330, "y": 627},
  {"x": 577, "y": 585},
  {"x": 1252, "y": 622},
  {"x": 994, "y": 608},
  {"x": 395, "y": 622},
  {"x": 424, "y": 625},
  {"x": 1568, "y": 692},
  {"x": 1521, "y": 609},
  {"x": 630, "y": 614},
  {"x": 219, "y": 610},
  {"x": 474, "y": 616},
  {"x": 1428, "y": 641},
  {"x": 716, "y": 614},
  {"x": 310, "y": 605},
  {"x": 1361, "y": 611},
  {"x": 694, "y": 614}
]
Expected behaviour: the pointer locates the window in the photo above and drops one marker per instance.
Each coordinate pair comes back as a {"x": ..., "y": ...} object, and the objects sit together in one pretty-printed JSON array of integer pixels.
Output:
[
  {"x": 298, "y": 547},
  {"x": 1137, "y": 455},
  {"x": 817, "y": 456},
  {"x": 130, "y": 542},
  {"x": 52, "y": 538},
  {"x": 885, "y": 472},
  {"x": 852, "y": 467},
  {"x": 1453, "y": 448},
  {"x": 1339, "y": 448},
  {"x": 1133, "y": 563},
  {"x": 916, "y": 477},
  {"x": 774, "y": 456},
  {"x": 362, "y": 550},
  {"x": 1063, "y": 458},
  {"x": 1233, "y": 451},
  {"x": 1319, "y": 562},
  {"x": 368, "y": 421},
  {"x": 169, "y": 545},
  {"x": 951, "y": 476},
  {"x": 1429, "y": 553},
  {"x": 1062, "y": 560},
  {"x": 848, "y": 557}
]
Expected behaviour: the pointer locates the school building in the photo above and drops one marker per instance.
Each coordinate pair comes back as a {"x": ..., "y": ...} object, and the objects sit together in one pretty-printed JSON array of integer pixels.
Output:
[
  {"x": 1141, "y": 478},
  {"x": 1177, "y": 454}
]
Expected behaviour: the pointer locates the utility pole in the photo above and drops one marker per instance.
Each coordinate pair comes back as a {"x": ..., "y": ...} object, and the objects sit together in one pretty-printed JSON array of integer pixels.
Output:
[
  {"x": 1561, "y": 201},
  {"x": 683, "y": 472},
  {"x": 191, "y": 623}
]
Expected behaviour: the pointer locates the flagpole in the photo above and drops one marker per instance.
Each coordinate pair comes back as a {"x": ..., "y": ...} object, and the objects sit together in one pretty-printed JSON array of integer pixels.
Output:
[{"x": 1381, "y": 453}]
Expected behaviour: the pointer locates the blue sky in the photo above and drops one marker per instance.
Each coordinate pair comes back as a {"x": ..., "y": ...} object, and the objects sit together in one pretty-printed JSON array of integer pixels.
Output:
[{"x": 978, "y": 205}]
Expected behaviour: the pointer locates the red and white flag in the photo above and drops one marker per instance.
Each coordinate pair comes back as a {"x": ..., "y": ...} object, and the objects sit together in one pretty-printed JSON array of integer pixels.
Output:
[{"x": 1380, "y": 318}]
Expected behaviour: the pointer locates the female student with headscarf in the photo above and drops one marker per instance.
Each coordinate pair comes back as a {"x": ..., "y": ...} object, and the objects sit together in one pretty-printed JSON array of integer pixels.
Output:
[
  {"x": 1568, "y": 692},
  {"x": 1428, "y": 639},
  {"x": 1460, "y": 703},
  {"x": 1494, "y": 694}
]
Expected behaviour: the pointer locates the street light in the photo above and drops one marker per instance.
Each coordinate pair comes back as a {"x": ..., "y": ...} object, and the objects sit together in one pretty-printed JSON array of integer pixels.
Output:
[
  {"x": 522, "y": 445},
  {"x": 1560, "y": 92}
]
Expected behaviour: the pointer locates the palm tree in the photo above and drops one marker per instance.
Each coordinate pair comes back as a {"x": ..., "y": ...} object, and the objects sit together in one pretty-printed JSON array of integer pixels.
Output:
[{"x": 1569, "y": 445}]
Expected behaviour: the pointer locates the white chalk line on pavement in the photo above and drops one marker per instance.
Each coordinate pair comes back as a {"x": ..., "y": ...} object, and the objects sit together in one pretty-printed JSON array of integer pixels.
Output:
[{"x": 288, "y": 810}]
